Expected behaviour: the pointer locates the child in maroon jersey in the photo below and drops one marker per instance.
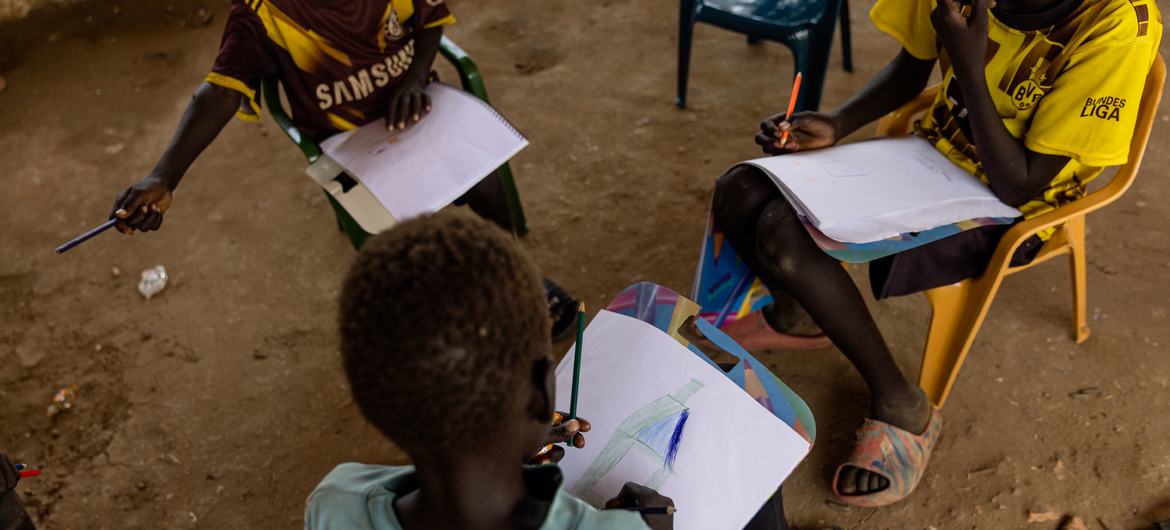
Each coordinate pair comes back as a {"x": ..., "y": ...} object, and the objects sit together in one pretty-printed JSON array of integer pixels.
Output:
[{"x": 342, "y": 64}]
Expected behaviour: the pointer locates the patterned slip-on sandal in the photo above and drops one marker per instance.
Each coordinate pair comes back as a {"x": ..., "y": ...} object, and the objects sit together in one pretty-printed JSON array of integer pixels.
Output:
[
  {"x": 893, "y": 453},
  {"x": 754, "y": 333}
]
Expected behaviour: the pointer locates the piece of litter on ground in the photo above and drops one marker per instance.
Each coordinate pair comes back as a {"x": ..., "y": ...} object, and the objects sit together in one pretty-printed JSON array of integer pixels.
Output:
[
  {"x": 115, "y": 272},
  {"x": 1074, "y": 523},
  {"x": 1085, "y": 393},
  {"x": 153, "y": 281},
  {"x": 63, "y": 400},
  {"x": 1042, "y": 516},
  {"x": 1058, "y": 469},
  {"x": 114, "y": 149},
  {"x": 978, "y": 472}
]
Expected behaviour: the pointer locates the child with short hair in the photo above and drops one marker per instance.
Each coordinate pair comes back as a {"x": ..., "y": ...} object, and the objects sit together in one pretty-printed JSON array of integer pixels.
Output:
[
  {"x": 445, "y": 341},
  {"x": 1037, "y": 98},
  {"x": 342, "y": 64}
]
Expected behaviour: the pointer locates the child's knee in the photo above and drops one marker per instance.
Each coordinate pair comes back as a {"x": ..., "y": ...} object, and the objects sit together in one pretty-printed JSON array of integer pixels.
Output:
[
  {"x": 740, "y": 188},
  {"x": 776, "y": 225}
]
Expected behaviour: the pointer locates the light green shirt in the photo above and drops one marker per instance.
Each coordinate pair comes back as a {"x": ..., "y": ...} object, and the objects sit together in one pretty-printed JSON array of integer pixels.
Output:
[{"x": 361, "y": 497}]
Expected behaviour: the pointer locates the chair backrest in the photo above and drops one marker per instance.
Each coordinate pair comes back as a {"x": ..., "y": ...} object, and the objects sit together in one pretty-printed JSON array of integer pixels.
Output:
[
  {"x": 1123, "y": 179},
  {"x": 898, "y": 123}
]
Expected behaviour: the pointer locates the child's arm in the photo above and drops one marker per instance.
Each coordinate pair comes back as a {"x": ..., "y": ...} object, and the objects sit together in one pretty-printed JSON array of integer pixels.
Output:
[
  {"x": 1015, "y": 173},
  {"x": 899, "y": 82},
  {"x": 141, "y": 206},
  {"x": 408, "y": 100}
]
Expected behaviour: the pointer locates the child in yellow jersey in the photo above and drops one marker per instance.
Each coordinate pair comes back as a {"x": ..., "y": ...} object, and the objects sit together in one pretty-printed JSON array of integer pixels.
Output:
[{"x": 1038, "y": 97}]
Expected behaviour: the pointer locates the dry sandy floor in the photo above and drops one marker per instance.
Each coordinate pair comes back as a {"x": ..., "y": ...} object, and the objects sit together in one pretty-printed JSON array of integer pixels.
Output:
[{"x": 220, "y": 403}]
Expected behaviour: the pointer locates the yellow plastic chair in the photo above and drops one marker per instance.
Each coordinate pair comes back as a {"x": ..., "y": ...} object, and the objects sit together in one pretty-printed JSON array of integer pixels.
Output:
[{"x": 958, "y": 309}]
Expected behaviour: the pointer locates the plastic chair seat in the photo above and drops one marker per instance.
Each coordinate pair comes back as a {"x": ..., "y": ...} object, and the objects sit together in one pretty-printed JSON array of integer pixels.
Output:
[
  {"x": 958, "y": 310},
  {"x": 471, "y": 80}
]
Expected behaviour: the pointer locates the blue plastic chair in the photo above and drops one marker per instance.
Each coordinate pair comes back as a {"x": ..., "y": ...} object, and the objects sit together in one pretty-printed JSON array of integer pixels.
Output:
[{"x": 805, "y": 26}]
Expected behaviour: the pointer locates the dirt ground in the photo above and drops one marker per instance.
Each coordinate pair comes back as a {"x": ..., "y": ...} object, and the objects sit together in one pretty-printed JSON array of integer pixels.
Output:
[{"x": 220, "y": 403}]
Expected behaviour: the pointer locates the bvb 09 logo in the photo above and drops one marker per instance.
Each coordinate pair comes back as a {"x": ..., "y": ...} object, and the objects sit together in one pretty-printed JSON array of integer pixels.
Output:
[
  {"x": 1026, "y": 94},
  {"x": 393, "y": 29}
]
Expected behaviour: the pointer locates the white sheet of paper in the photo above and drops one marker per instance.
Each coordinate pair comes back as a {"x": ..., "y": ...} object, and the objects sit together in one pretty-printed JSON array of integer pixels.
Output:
[
  {"x": 732, "y": 453},
  {"x": 872, "y": 190},
  {"x": 433, "y": 162}
]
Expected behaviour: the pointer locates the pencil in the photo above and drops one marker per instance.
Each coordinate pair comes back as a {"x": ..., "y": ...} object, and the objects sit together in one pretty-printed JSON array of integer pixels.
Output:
[
  {"x": 577, "y": 359},
  {"x": 654, "y": 510},
  {"x": 791, "y": 107},
  {"x": 738, "y": 288},
  {"x": 87, "y": 236}
]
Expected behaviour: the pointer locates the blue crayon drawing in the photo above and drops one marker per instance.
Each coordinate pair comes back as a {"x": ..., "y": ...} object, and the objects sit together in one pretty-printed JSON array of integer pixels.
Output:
[{"x": 655, "y": 430}]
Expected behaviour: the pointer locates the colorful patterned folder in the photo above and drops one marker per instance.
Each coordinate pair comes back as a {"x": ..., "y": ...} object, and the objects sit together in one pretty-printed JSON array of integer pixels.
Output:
[
  {"x": 666, "y": 310},
  {"x": 721, "y": 270}
]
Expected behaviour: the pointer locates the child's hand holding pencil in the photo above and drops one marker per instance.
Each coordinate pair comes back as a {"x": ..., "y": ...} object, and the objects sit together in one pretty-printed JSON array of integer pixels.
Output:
[
  {"x": 804, "y": 131},
  {"x": 567, "y": 432}
]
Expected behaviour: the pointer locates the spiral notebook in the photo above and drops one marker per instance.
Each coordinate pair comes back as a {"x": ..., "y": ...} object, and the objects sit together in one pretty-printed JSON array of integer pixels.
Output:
[
  {"x": 425, "y": 167},
  {"x": 877, "y": 189}
]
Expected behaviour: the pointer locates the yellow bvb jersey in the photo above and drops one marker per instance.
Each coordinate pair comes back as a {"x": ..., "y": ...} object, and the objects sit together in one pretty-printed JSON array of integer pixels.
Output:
[{"x": 1066, "y": 81}]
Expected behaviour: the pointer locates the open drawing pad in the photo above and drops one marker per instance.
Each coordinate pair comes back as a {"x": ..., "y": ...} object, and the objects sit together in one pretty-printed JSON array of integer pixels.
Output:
[
  {"x": 877, "y": 189},
  {"x": 667, "y": 419},
  {"x": 423, "y": 168}
]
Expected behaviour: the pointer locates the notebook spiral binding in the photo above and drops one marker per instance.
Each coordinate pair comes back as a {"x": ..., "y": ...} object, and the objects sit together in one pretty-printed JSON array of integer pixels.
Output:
[{"x": 495, "y": 113}]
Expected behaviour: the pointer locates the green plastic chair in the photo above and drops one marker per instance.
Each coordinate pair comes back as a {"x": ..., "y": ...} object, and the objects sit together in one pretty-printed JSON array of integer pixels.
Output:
[{"x": 472, "y": 81}]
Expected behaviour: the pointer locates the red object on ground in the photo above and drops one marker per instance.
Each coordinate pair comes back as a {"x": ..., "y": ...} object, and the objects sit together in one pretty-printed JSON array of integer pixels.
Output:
[{"x": 30, "y": 473}]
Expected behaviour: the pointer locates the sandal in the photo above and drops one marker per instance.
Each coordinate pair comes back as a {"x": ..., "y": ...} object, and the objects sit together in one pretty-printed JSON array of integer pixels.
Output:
[
  {"x": 562, "y": 308},
  {"x": 893, "y": 453},
  {"x": 754, "y": 333}
]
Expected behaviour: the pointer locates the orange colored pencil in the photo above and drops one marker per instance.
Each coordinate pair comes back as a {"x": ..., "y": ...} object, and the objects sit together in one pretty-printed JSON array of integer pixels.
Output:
[{"x": 791, "y": 107}]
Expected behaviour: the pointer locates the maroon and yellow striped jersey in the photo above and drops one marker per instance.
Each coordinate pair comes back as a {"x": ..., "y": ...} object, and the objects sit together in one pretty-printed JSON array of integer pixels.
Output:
[{"x": 337, "y": 59}]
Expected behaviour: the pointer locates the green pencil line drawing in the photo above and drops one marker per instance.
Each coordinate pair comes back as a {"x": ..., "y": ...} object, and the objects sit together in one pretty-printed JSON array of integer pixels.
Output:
[{"x": 655, "y": 430}]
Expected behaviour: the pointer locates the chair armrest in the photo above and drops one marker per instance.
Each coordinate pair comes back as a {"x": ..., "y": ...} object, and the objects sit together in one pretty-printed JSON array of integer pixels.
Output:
[
  {"x": 469, "y": 74},
  {"x": 270, "y": 88},
  {"x": 897, "y": 123}
]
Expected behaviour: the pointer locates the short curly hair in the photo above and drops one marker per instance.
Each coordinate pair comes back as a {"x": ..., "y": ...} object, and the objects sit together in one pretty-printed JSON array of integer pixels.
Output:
[{"x": 442, "y": 319}]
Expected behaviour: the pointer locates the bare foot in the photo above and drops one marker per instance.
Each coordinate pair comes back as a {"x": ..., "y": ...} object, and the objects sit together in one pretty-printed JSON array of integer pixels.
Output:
[{"x": 909, "y": 411}]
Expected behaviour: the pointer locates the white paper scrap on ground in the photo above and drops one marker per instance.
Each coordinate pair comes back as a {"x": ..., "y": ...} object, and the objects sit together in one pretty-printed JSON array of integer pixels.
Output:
[
  {"x": 431, "y": 163},
  {"x": 872, "y": 190},
  {"x": 664, "y": 418}
]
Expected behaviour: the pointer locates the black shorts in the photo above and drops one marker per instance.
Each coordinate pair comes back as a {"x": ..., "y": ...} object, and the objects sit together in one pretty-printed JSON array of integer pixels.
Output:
[{"x": 943, "y": 262}]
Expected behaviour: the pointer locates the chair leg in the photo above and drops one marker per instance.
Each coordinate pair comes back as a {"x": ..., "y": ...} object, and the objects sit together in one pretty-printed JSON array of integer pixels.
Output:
[
  {"x": 957, "y": 314},
  {"x": 686, "y": 29},
  {"x": 846, "y": 38},
  {"x": 812, "y": 59},
  {"x": 357, "y": 236},
  {"x": 1075, "y": 230},
  {"x": 515, "y": 207}
]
